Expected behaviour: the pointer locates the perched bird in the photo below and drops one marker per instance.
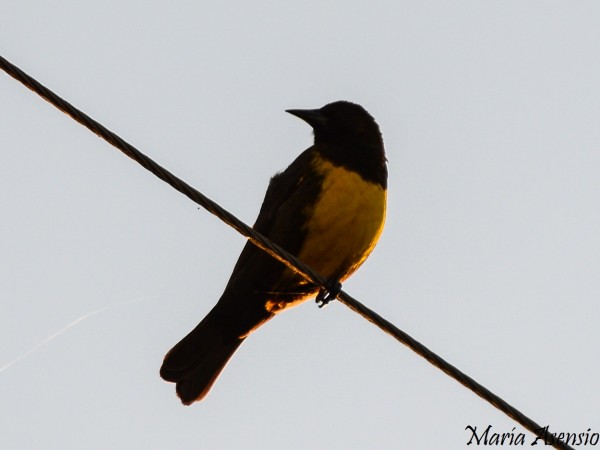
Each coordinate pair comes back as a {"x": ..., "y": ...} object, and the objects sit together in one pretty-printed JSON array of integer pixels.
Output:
[{"x": 327, "y": 208}]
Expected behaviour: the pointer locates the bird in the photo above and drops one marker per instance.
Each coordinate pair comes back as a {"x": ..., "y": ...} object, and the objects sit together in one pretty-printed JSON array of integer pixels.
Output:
[{"x": 327, "y": 208}]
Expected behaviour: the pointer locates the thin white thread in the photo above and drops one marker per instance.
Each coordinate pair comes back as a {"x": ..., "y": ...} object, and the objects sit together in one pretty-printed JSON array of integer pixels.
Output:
[{"x": 62, "y": 330}]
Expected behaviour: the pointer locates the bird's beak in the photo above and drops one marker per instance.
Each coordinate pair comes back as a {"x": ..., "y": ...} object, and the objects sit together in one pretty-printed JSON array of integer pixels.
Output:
[{"x": 313, "y": 117}]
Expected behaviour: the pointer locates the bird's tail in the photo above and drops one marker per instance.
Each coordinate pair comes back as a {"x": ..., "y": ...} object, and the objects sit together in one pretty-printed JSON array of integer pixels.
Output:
[{"x": 197, "y": 360}]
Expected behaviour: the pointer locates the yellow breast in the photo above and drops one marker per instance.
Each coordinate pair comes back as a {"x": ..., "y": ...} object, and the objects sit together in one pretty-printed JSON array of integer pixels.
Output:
[
  {"x": 346, "y": 223},
  {"x": 343, "y": 228}
]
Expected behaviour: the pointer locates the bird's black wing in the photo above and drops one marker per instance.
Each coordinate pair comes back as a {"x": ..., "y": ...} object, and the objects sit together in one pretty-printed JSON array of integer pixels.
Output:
[
  {"x": 282, "y": 218},
  {"x": 282, "y": 215}
]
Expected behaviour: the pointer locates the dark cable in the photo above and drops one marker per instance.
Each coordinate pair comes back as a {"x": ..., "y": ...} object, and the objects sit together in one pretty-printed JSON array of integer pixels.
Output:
[{"x": 273, "y": 249}]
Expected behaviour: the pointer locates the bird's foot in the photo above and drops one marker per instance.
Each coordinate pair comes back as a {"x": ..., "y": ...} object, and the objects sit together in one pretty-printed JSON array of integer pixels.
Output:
[{"x": 332, "y": 290}]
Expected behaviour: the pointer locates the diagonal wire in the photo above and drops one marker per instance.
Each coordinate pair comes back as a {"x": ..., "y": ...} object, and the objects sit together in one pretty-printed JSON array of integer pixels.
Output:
[{"x": 274, "y": 250}]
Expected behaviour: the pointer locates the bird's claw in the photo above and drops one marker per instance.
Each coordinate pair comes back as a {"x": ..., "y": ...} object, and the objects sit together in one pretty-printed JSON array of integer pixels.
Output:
[{"x": 334, "y": 287}]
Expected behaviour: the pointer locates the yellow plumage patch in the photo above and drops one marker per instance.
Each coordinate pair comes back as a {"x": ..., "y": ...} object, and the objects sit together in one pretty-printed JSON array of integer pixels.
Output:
[{"x": 343, "y": 228}]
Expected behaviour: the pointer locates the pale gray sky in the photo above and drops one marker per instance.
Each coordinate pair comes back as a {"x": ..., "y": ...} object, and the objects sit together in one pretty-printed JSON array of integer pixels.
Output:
[{"x": 490, "y": 255}]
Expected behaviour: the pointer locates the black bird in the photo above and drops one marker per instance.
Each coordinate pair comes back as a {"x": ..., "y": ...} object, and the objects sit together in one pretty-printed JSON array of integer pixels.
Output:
[{"x": 327, "y": 208}]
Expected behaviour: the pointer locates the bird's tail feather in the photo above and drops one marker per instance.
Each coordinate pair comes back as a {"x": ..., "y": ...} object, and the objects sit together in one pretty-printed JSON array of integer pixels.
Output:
[{"x": 197, "y": 360}]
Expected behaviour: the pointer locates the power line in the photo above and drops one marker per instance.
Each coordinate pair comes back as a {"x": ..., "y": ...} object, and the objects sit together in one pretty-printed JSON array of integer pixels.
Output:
[{"x": 273, "y": 249}]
